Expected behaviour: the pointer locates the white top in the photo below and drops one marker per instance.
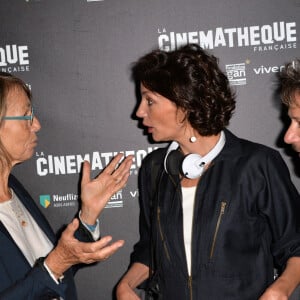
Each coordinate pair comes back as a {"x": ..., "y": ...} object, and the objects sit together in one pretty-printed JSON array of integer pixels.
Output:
[
  {"x": 26, "y": 233},
  {"x": 188, "y": 200},
  {"x": 28, "y": 236}
]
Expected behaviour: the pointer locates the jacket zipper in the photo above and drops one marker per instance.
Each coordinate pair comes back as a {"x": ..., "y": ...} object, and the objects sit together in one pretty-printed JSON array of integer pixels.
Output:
[
  {"x": 222, "y": 211},
  {"x": 190, "y": 286}
]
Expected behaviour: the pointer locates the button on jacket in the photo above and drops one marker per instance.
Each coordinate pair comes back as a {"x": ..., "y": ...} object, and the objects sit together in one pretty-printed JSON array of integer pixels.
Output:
[{"x": 244, "y": 224}]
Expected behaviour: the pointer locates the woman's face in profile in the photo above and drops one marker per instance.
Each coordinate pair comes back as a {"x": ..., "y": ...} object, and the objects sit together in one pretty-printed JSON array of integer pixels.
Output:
[
  {"x": 161, "y": 116},
  {"x": 19, "y": 136}
]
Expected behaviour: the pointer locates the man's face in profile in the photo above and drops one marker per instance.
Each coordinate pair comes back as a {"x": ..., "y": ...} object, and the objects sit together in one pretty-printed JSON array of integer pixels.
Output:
[{"x": 292, "y": 135}]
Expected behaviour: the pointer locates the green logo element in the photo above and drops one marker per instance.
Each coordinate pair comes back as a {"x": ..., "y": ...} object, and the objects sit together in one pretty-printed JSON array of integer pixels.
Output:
[{"x": 45, "y": 200}]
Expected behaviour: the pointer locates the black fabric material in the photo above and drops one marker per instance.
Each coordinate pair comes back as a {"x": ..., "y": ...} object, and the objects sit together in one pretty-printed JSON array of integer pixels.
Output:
[
  {"x": 174, "y": 162},
  {"x": 256, "y": 233}
]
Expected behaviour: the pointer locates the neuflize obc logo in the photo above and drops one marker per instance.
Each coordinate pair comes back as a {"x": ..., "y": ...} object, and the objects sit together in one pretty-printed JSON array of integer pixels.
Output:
[{"x": 45, "y": 200}]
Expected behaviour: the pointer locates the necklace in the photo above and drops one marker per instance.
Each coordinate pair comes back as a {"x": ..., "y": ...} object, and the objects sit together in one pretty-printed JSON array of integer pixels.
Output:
[{"x": 18, "y": 210}]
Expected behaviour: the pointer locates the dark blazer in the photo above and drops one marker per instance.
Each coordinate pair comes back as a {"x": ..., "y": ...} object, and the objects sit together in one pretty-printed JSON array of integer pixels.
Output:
[{"x": 18, "y": 280}]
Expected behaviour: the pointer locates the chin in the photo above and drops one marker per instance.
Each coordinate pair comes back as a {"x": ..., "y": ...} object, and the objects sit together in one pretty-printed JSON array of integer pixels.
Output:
[
  {"x": 157, "y": 138},
  {"x": 28, "y": 156},
  {"x": 296, "y": 148}
]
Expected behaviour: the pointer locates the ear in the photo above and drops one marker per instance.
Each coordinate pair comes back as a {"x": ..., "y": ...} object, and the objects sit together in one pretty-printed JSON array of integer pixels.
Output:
[{"x": 181, "y": 115}]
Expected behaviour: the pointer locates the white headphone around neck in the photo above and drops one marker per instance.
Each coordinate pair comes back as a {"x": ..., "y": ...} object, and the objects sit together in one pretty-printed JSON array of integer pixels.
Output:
[{"x": 192, "y": 165}]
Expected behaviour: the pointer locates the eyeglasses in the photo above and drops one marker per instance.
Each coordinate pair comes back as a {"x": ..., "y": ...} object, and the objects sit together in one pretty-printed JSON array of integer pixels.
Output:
[{"x": 30, "y": 117}]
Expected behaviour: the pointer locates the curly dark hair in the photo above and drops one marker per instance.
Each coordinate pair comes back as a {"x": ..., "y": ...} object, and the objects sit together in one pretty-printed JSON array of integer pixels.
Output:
[
  {"x": 290, "y": 82},
  {"x": 192, "y": 79}
]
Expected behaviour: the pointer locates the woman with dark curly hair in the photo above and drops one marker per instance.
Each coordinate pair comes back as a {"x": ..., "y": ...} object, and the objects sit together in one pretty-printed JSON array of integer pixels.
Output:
[{"x": 217, "y": 212}]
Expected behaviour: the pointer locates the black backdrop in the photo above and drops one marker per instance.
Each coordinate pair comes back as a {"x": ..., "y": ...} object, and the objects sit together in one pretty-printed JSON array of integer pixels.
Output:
[{"x": 76, "y": 57}]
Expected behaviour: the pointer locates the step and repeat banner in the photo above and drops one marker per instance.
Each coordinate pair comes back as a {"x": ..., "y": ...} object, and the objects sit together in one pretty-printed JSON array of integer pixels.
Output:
[{"x": 76, "y": 57}]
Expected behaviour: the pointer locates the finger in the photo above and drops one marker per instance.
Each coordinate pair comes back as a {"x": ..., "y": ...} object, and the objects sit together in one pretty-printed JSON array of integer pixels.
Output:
[
  {"x": 109, "y": 250},
  {"x": 86, "y": 173},
  {"x": 120, "y": 182},
  {"x": 124, "y": 168},
  {"x": 96, "y": 251},
  {"x": 104, "y": 243},
  {"x": 71, "y": 228},
  {"x": 93, "y": 247},
  {"x": 110, "y": 168},
  {"x": 126, "y": 164}
]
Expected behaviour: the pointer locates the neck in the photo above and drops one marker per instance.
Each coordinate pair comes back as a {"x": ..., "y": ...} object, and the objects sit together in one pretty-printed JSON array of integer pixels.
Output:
[
  {"x": 5, "y": 193},
  {"x": 202, "y": 146}
]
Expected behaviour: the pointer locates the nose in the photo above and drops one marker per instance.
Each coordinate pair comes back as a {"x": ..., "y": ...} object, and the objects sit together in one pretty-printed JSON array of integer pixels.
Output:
[
  {"x": 141, "y": 111},
  {"x": 291, "y": 135},
  {"x": 36, "y": 125}
]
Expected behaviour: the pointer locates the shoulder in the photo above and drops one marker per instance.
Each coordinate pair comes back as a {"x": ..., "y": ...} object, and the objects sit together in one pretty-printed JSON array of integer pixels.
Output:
[
  {"x": 155, "y": 157},
  {"x": 15, "y": 184},
  {"x": 250, "y": 153},
  {"x": 152, "y": 165},
  {"x": 244, "y": 147}
]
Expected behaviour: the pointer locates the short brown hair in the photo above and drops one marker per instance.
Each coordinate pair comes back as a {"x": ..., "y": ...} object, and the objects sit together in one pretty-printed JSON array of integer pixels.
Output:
[{"x": 290, "y": 82}]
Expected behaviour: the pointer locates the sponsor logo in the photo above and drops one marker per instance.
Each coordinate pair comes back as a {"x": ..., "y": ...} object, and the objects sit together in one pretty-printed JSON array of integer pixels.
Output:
[
  {"x": 59, "y": 200},
  {"x": 134, "y": 194},
  {"x": 66, "y": 200},
  {"x": 14, "y": 58},
  {"x": 45, "y": 200},
  {"x": 261, "y": 70},
  {"x": 265, "y": 70},
  {"x": 276, "y": 36},
  {"x": 71, "y": 200},
  {"x": 236, "y": 73},
  {"x": 116, "y": 200},
  {"x": 71, "y": 164}
]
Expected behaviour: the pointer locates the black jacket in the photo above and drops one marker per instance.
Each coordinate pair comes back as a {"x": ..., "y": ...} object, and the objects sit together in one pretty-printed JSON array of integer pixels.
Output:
[{"x": 244, "y": 224}]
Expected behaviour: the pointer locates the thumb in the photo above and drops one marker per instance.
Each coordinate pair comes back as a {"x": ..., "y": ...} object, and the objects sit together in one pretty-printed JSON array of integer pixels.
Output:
[
  {"x": 72, "y": 227},
  {"x": 86, "y": 173}
]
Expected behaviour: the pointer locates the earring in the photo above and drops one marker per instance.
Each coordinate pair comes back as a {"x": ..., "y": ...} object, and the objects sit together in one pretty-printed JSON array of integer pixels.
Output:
[{"x": 193, "y": 139}]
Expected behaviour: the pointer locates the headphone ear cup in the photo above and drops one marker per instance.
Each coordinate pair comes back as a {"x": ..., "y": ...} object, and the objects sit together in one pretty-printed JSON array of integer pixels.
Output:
[
  {"x": 192, "y": 166},
  {"x": 173, "y": 162}
]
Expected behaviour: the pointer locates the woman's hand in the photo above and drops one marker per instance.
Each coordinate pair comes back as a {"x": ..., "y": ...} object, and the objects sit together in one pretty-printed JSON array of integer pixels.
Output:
[
  {"x": 69, "y": 251},
  {"x": 125, "y": 292},
  {"x": 95, "y": 193},
  {"x": 286, "y": 283},
  {"x": 278, "y": 290},
  {"x": 134, "y": 277},
  {"x": 271, "y": 294}
]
